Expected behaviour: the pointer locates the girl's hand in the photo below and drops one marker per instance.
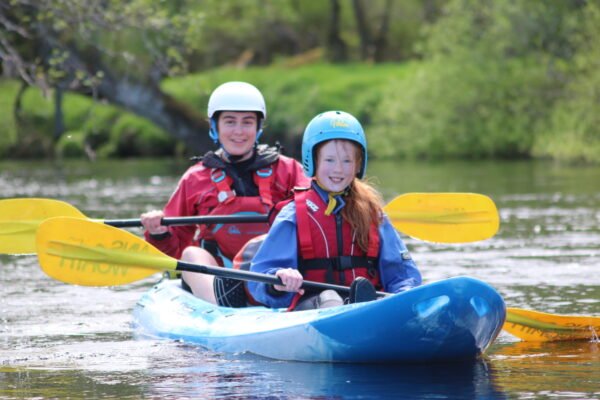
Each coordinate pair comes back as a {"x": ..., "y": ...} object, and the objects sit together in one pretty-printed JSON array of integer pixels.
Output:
[
  {"x": 292, "y": 280},
  {"x": 151, "y": 221}
]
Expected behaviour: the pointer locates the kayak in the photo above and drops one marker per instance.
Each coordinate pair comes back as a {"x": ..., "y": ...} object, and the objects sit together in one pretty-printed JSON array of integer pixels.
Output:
[{"x": 449, "y": 320}]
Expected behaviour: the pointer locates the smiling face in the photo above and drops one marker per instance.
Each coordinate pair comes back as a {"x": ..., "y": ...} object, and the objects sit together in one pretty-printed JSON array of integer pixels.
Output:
[
  {"x": 337, "y": 164},
  {"x": 237, "y": 132}
]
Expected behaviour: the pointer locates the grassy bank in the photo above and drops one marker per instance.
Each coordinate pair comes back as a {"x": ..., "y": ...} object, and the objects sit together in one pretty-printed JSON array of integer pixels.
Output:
[{"x": 409, "y": 110}]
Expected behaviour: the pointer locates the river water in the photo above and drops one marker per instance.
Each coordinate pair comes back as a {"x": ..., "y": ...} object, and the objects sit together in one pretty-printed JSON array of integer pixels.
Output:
[{"x": 65, "y": 341}]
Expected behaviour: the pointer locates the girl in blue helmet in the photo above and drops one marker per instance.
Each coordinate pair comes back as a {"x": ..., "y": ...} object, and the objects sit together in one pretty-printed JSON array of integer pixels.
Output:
[
  {"x": 335, "y": 231},
  {"x": 241, "y": 176}
]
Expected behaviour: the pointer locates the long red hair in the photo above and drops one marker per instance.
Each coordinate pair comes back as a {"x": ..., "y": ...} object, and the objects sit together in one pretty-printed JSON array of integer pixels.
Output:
[{"x": 363, "y": 201}]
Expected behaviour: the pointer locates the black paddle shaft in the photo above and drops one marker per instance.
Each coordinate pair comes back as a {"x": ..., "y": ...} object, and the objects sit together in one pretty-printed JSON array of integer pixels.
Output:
[
  {"x": 258, "y": 277},
  {"x": 204, "y": 219}
]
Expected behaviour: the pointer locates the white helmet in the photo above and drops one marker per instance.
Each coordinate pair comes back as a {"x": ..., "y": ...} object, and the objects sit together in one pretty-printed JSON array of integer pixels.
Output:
[{"x": 235, "y": 96}]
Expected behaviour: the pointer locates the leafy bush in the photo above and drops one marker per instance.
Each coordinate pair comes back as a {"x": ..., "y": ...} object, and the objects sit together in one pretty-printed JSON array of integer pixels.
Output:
[
  {"x": 71, "y": 145},
  {"x": 490, "y": 77},
  {"x": 573, "y": 132},
  {"x": 452, "y": 109},
  {"x": 134, "y": 136}
]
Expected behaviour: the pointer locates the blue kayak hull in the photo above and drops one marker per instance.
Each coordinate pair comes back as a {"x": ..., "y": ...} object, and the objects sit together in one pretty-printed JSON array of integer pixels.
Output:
[{"x": 453, "y": 319}]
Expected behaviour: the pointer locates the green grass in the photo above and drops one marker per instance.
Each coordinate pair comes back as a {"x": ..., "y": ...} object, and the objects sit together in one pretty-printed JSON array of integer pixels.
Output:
[{"x": 295, "y": 95}]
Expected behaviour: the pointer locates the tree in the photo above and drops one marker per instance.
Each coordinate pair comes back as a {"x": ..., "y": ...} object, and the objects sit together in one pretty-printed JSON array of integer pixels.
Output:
[
  {"x": 120, "y": 51},
  {"x": 364, "y": 32},
  {"x": 338, "y": 51},
  {"x": 381, "y": 39},
  {"x": 372, "y": 46},
  {"x": 501, "y": 79},
  {"x": 79, "y": 47}
]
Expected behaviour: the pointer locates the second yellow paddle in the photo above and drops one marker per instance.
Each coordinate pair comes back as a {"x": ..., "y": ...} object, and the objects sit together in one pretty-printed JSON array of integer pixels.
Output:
[
  {"x": 86, "y": 253},
  {"x": 535, "y": 326},
  {"x": 83, "y": 252}
]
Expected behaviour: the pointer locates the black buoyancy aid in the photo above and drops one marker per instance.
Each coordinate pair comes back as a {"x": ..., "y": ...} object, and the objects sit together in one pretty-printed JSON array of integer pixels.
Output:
[{"x": 227, "y": 240}]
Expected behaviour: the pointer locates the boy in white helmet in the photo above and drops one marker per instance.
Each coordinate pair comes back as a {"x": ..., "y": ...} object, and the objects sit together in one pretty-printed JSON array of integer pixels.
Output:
[{"x": 240, "y": 177}]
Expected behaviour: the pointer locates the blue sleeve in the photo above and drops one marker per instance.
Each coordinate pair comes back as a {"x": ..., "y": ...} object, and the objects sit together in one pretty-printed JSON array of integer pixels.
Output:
[
  {"x": 279, "y": 250},
  {"x": 398, "y": 270}
]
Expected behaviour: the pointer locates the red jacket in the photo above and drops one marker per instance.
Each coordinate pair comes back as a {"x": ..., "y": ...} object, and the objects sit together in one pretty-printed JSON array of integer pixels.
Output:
[{"x": 205, "y": 189}]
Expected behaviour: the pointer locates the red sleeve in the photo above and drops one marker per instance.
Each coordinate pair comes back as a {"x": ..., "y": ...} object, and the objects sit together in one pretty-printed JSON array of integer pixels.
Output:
[
  {"x": 295, "y": 176},
  {"x": 301, "y": 179},
  {"x": 182, "y": 203}
]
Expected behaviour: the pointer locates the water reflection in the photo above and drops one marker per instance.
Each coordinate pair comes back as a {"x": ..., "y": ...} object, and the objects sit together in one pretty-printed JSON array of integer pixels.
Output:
[
  {"x": 17, "y": 383},
  {"x": 245, "y": 376},
  {"x": 569, "y": 369},
  {"x": 170, "y": 370}
]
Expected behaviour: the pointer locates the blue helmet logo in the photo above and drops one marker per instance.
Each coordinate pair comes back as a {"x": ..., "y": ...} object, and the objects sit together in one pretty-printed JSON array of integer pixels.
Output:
[{"x": 331, "y": 125}]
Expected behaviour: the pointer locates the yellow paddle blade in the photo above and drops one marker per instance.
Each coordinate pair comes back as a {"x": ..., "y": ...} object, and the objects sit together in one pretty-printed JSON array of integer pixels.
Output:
[
  {"x": 20, "y": 218},
  {"x": 536, "y": 326},
  {"x": 444, "y": 217},
  {"x": 88, "y": 253}
]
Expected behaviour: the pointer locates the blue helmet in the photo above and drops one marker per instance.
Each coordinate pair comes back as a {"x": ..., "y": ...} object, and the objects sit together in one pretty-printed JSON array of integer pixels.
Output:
[{"x": 328, "y": 126}]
